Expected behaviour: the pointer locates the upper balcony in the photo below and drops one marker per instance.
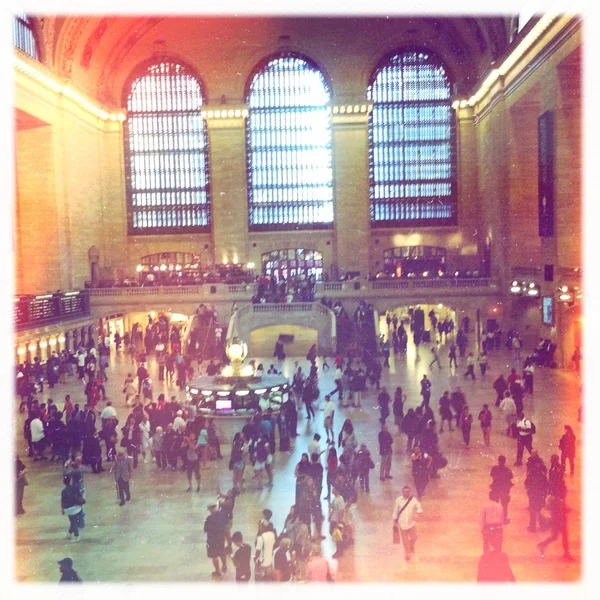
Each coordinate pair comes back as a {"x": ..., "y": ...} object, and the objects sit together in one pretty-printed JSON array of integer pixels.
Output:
[{"x": 187, "y": 298}]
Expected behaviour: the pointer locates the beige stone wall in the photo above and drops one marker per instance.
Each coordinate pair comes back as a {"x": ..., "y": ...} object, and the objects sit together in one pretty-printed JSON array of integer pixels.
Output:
[{"x": 74, "y": 167}]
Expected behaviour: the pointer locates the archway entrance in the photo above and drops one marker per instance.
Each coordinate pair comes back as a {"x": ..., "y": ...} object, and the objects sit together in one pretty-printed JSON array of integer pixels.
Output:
[
  {"x": 415, "y": 317},
  {"x": 297, "y": 340}
]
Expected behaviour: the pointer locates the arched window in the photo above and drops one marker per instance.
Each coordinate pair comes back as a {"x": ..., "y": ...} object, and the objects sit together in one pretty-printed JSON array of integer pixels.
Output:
[
  {"x": 23, "y": 37},
  {"x": 166, "y": 151},
  {"x": 411, "y": 142},
  {"x": 288, "y": 132}
]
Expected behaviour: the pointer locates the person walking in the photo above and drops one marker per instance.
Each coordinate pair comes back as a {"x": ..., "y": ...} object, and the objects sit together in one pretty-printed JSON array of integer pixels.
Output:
[
  {"x": 466, "y": 420},
  {"x": 20, "y": 484},
  {"x": 500, "y": 386},
  {"x": 265, "y": 546},
  {"x": 567, "y": 447},
  {"x": 214, "y": 527},
  {"x": 525, "y": 432},
  {"x": 425, "y": 390},
  {"x": 190, "y": 447},
  {"x": 536, "y": 485},
  {"x": 410, "y": 424},
  {"x": 332, "y": 465},
  {"x": 386, "y": 442},
  {"x": 501, "y": 484},
  {"x": 72, "y": 504},
  {"x": 421, "y": 468},
  {"x": 436, "y": 358},
  {"x": 445, "y": 412},
  {"x": 67, "y": 573},
  {"x": 307, "y": 398},
  {"x": 328, "y": 414},
  {"x": 383, "y": 401},
  {"x": 558, "y": 525},
  {"x": 241, "y": 558},
  {"x": 406, "y": 508},
  {"x": 470, "y": 367},
  {"x": 492, "y": 523},
  {"x": 485, "y": 419},
  {"x": 556, "y": 477},
  {"x": 398, "y": 408},
  {"x": 452, "y": 356},
  {"x": 122, "y": 470},
  {"x": 483, "y": 363},
  {"x": 337, "y": 514},
  {"x": 157, "y": 445}
]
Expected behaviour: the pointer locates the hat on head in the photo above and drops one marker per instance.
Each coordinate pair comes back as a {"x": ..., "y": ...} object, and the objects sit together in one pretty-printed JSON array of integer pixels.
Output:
[{"x": 66, "y": 562}]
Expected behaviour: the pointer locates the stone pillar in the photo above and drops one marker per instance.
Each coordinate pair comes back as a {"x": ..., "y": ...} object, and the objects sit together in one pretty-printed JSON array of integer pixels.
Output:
[
  {"x": 351, "y": 193},
  {"x": 227, "y": 138}
]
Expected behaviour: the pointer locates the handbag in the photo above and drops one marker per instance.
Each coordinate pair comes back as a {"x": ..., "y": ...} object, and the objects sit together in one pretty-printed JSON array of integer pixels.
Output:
[{"x": 396, "y": 528}]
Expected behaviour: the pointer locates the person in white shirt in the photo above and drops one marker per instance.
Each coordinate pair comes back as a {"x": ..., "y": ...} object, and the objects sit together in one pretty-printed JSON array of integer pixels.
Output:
[
  {"x": 328, "y": 414},
  {"x": 315, "y": 446},
  {"x": 405, "y": 509},
  {"x": 81, "y": 354},
  {"x": 179, "y": 421},
  {"x": 525, "y": 431},
  {"x": 37, "y": 438},
  {"x": 509, "y": 409},
  {"x": 265, "y": 544},
  {"x": 108, "y": 412}
]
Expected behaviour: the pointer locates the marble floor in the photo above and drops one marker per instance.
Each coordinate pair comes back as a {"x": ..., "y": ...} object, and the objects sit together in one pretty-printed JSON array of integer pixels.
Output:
[{"x": 158, "y": 536}]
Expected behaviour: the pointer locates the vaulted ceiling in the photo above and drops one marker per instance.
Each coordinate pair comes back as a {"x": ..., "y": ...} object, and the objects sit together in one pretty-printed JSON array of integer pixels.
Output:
[{"x": 98, "y": 53}]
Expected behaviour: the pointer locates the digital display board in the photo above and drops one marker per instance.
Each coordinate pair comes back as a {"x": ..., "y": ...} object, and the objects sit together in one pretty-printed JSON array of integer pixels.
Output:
[{"x": 548, "y": 310}]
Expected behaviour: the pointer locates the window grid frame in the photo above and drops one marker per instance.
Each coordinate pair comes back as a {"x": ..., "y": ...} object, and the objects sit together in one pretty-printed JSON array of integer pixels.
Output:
[
  {"x": 24, "y": 36},
  {"x": 407, "y": 204},
  {"x": 164, "y": 132},
  {"x": 280, "y": 114}
]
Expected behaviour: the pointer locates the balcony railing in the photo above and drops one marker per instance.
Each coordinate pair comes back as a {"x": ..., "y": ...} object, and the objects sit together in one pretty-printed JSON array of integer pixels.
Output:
[{"x": 351, "y": 289}]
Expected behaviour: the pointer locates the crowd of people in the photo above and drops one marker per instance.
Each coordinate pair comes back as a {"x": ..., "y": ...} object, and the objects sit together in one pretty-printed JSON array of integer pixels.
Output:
[
  {"x": 174, "y": 436},
  {"x": 279, "y": 290}
]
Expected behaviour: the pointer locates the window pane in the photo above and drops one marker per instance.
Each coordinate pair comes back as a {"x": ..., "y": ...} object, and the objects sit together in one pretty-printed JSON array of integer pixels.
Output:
[
  {"x": 167, "y": 151},
  {"x": 290, "y": 176},
  {"x": 23, "y": 37},
  {"x": 412, "y": 149}
]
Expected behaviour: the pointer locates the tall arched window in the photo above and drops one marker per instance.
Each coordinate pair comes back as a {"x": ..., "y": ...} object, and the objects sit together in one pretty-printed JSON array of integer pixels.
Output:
[
  {"x": 23, "y": 36},
  {"x": 166, "y": 151},
  {"x": 411, "y": 142},
  {"x": 288, "y": 132}
]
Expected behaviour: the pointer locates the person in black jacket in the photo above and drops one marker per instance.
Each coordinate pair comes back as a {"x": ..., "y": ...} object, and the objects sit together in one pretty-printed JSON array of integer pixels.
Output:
[
  {"x": 537, "y": 487},
  {"x": 68, "y": 574},
  {"x": 409, "y": 427},
  {"x": 567, "y": 446},
  {"x": 501, "y": 484},
  {"x": 92, "y": 452},
  {"x": 131, "y": 438},
  {"x": 500, "y": 387},
  {"x": 72, "y": 504}
]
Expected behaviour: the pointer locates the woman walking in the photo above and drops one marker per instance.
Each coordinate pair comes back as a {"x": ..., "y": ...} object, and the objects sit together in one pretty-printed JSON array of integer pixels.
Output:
[
  {"x": 190, "y": 447},
  {"x": 421, "y": 467},
  {"x": 485, "y": 419},
  {"x": 332, "y": 465},
  {"x": 236, "y": 461},
  {"x": 466, "y": 420},
  {"x": 398, "y": 408}
]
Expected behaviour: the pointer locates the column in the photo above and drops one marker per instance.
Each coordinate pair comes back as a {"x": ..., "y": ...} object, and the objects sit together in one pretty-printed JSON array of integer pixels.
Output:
[
  {"x": 351, "y": 180},
  {"x": 227, "y": 138}
]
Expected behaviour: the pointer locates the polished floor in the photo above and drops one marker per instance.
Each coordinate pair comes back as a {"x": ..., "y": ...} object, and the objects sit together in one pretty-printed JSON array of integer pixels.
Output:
[{"x": 158, "y": 536}]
